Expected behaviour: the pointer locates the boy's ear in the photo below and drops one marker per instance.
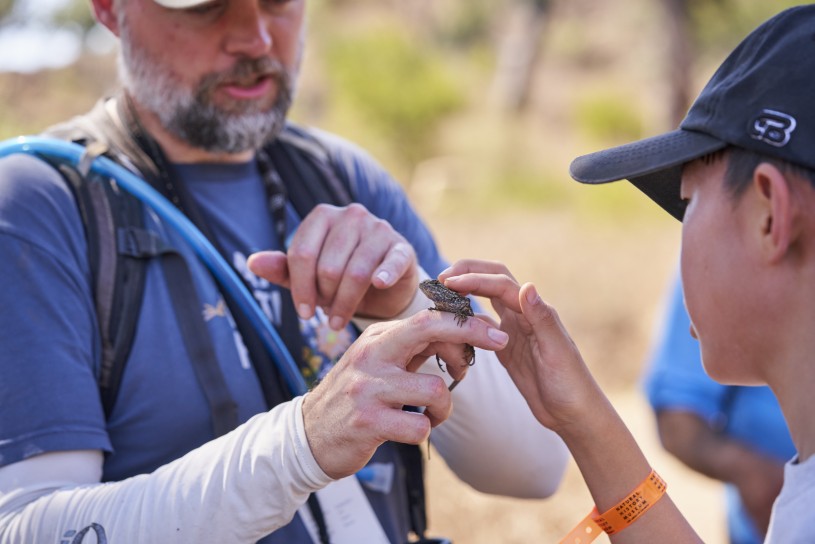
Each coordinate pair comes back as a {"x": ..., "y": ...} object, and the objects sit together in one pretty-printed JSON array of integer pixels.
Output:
[
  {"x": 777, "y": 211},
  {"x": 105, "y": 13}
]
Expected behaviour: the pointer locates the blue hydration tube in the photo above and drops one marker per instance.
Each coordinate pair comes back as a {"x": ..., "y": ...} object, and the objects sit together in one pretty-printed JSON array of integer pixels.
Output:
[{"x": 223, "y": 273}]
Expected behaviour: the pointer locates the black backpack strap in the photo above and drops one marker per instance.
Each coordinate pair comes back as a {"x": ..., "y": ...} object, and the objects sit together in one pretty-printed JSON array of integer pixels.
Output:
[
  {"x": 118, "y": 278},
  {"x": 107, "y": 124},
  {"x": 198, "y": 343},
  {"x": 119, "y": 250},
  {"x": 414, "y": 473},
  {"x": 307, "y": 171}
]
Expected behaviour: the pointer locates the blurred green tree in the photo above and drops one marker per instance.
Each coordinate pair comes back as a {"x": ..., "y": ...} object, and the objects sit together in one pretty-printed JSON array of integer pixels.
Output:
[
  {"x": 73, "y": 13},
  {"x": 5, "y": 9},
  {"x": 397, "y": 85}
]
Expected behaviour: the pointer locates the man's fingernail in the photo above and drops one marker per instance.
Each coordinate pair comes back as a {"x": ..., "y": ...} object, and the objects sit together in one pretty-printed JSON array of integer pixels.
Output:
[
  {"x": 304, "y": 310},
  {"x": 497, "y": 335},
  {"x": 335, "y": 323},
  {"x": 384, "y": 276}
]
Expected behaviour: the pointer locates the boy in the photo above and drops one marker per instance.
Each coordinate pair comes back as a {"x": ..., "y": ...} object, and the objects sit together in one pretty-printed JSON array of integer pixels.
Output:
[{"x": 739, "y": 174}]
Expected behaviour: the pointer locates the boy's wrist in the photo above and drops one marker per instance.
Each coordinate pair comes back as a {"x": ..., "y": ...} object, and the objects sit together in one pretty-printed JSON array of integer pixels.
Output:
[{"x": 589, "y": 417}]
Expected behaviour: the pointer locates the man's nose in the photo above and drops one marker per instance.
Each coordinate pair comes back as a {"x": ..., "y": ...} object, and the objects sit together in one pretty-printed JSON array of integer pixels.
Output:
[{"x": 249, "y": 30}]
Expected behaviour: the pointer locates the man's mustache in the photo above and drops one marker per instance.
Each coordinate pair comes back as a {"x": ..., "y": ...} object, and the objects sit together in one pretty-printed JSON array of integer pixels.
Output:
[{"x": 246, "y": 72}]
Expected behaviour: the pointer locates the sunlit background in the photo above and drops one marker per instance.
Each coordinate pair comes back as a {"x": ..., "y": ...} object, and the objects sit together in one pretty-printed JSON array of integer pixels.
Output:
[{"x": 478, "y": 107}]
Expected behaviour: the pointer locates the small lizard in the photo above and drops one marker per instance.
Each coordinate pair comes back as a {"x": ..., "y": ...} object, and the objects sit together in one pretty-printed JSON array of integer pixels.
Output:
[{"x": 447, "y": 300}]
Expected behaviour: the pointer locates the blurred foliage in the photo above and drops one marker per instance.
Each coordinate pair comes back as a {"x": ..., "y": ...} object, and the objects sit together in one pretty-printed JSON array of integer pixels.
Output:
[
  {"x": 719, "y": 24},
  {"x": 76, "y": 12},
  {"x": 527, "y": 186},
  {"x": 467, "y": 24},
  {"x": 617, "y": 203},
  {"x": 396, "y": 85},
  {"x": 5, "y": 8},
  {"x": 49, "y": 96},
  {"x": 608, "y": 118},
  {"x": 411, "y": 81}
]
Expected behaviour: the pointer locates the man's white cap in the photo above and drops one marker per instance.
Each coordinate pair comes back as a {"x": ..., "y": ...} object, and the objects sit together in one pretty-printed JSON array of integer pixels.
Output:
[{"x": 180, "y": 4}]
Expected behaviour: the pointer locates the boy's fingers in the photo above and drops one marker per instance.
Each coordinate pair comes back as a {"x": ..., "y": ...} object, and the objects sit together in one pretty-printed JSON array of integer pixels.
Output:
[
  {"x": 498, "y": 287},
  {"x": 475, "y": 266},
  {"x": 541, "y": 316}
]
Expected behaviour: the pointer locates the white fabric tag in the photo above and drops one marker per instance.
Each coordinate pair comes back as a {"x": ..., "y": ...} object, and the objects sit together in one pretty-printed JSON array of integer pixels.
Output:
[{"x": 348, "y": 515}]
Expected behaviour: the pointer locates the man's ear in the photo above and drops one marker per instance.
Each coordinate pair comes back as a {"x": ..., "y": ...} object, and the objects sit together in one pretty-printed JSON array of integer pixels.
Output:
[
  {"x": 777, "y": 211},
  {"x": 105, "y": 13}
]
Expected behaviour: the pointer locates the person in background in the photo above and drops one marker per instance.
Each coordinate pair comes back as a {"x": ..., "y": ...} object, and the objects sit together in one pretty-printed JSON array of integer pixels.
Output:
[{"x": 731, "y": 433}]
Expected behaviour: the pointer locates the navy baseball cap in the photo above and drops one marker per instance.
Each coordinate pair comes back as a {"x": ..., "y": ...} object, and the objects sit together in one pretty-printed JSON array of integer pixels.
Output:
[{"x": 762, "y": 98}]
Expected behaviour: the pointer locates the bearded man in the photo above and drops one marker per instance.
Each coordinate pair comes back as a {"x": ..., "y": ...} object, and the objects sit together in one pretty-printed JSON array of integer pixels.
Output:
[{"x": 188, "y": 432}]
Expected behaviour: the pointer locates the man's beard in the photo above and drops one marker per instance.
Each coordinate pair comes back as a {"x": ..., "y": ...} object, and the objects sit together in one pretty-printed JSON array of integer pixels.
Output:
[{"x": 192, "y": 116}]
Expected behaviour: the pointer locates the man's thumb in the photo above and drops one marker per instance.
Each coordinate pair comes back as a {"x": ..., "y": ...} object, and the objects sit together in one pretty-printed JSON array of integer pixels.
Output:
[{"x": 270, "y": 265}]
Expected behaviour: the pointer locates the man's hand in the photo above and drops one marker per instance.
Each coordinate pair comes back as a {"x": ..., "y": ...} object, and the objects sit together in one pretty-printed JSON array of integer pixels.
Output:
[
  {"x": 345, "y": 260},
  {"x": 358, "y": 405}
]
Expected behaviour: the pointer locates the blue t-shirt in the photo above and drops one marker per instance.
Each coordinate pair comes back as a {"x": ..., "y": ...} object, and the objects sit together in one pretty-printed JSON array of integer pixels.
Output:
[
  {"x": 676, "y": 379},
  {"x": 49, "y": 336}
]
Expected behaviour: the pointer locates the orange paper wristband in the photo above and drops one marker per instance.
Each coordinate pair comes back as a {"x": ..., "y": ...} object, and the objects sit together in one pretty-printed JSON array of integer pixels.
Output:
[{"x": 623, "y": 514}]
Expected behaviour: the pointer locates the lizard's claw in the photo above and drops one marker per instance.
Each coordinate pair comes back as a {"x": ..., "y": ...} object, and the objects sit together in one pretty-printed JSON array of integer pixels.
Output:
[{"x": 438, "y": 362}]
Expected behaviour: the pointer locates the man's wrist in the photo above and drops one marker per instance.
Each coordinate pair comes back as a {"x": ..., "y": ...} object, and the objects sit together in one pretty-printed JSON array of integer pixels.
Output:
[{"x": 312, "y": 471}]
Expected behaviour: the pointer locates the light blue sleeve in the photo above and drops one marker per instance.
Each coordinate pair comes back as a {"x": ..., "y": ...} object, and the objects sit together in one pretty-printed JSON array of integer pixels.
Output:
[{"x": 675, "y": 377}]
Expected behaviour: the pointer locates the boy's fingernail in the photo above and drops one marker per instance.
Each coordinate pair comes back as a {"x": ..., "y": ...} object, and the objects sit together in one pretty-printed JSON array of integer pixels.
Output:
[
  {"x": 532, "y": 295},
  {"x": 497, "y": 335}
]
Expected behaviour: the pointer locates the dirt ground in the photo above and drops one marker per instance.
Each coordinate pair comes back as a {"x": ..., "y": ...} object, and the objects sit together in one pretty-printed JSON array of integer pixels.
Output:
[{"x": 608, "y": 285}]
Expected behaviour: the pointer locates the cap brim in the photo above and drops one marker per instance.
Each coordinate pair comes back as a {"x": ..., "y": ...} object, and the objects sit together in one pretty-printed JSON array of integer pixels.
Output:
[
  {"x": 180, "y": 4},
  {"x": 653, "y": 165}
]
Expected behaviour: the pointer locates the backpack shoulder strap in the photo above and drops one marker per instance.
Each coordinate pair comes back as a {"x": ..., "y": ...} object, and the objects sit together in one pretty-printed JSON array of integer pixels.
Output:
[
  {"x": 307, "y": 171},
  {"x": 105, "y": 125},
  {"x": 118, "y": 245},
  {"x": 119, "y": 251},
  {"x": 113, "y": 223}
]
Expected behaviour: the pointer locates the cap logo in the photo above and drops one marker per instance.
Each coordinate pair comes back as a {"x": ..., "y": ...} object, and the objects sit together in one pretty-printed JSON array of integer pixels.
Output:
[{"x": 773, "y": 127}]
